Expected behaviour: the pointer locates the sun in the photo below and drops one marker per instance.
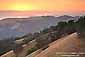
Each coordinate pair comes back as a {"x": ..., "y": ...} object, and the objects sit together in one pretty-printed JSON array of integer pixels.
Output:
[{"x": 22, "y": 7}]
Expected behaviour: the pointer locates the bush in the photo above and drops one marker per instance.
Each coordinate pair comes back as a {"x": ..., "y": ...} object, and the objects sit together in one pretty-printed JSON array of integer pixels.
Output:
[{"x": 31, "y": 50}]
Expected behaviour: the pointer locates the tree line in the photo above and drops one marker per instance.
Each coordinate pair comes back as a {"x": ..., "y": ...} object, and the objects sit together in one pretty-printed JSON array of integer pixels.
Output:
[{"x": 63, "y": 28}]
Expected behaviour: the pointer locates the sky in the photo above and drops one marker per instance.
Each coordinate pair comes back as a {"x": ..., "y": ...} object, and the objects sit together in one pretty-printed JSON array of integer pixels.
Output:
[{"x": 52, "y": 6}]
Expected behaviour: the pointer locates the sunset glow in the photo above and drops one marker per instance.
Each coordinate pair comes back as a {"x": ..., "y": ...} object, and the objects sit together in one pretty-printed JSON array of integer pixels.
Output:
[
  {"x": 22, "y": 7},
  {"x": 44, "y": 5}
]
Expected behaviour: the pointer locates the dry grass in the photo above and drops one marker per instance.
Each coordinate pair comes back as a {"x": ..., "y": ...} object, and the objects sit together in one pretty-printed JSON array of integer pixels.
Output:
[{"x": 71, "y": 43}]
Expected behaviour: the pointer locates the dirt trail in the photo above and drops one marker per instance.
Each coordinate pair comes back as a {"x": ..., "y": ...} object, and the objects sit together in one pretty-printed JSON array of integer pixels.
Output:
[
  {"x": 23, "y": 50},
  {"x": 9, "y": 54},
  {"x": 70, "y": 43}
]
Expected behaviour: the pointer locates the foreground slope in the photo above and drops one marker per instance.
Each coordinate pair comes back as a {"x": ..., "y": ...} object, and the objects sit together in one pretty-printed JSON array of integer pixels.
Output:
[{"x": 71, "y": 43}]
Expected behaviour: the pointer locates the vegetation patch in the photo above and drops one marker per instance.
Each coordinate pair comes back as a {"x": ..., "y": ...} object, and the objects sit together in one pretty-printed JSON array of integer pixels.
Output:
[{"x": 31, "y": 50}]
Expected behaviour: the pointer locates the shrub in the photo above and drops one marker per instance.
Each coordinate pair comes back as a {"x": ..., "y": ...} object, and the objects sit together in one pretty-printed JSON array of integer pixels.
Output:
[{"x": 31, "y": 50}]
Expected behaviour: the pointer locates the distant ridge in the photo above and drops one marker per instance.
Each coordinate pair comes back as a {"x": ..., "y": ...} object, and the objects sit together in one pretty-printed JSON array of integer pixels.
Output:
[{"x": 12, "y": 27}]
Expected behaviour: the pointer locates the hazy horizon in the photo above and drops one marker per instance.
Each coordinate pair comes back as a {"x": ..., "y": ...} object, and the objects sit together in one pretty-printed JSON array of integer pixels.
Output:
[
  {"x": 21, "y": 14},
  {"x": 21, "y": 8}
]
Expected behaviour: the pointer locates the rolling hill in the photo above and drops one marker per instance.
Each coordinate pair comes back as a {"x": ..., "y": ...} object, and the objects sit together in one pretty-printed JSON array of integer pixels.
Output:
[{"x": 13, "y": 27}]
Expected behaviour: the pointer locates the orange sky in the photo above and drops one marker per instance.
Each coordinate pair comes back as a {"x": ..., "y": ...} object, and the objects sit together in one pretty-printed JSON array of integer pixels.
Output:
[
  {"x": 47, "y": 5},
  {"x": 71, "y": 6}
]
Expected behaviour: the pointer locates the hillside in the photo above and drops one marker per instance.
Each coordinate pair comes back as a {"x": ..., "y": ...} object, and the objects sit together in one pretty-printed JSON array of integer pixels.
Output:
[
  {"x": 70, "y": 43},
  {"x": 43, "y": 39}
]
